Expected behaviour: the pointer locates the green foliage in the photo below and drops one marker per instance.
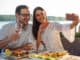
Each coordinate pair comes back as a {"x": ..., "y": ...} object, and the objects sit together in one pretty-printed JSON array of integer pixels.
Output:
[
  {"x": 12, "y": 17},
  {"x": 77, "y": 34},
  {"x": 7, "y": 17},
  {"x": 56, "y": 18}
]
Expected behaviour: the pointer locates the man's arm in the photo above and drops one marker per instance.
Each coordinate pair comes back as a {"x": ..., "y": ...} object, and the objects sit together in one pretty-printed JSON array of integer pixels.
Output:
[
  {"x": 4, "y": 42},
  {"x": 8, "y": 39}
]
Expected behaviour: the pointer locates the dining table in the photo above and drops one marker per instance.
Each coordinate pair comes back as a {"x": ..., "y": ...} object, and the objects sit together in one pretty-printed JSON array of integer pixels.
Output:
[{"x": 65, "y": 57}]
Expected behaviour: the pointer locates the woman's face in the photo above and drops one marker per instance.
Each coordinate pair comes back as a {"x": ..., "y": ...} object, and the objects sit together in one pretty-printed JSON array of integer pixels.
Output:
[{"x": 40, "y": 16}]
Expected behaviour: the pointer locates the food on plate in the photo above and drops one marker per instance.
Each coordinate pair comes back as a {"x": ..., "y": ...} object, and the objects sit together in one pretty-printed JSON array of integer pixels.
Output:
[
  {"x": 50, "y": 58},
  {"x": 23, "y": 51},
  {"x": 28, "y": 46},
  {"x": 8, "y": 52},
  {"x": 55, "y": 54},
  {"x": 43, "y": 57},
  {"x": 49, "y": 55},
  {"x": 20, "y": 53},
  {"x": 61, "y": 53}
]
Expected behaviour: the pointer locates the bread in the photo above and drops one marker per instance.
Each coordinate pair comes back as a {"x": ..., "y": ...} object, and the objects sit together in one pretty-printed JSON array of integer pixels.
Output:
[
  {"x": 28, "y": 46},
  {"x": 18, "y": 52}
]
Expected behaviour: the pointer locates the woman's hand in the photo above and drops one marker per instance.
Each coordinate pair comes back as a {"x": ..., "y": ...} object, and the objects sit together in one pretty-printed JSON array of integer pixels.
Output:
[
  {"x": 74, "y": 18},
  {"x": 43, "y": 27}
]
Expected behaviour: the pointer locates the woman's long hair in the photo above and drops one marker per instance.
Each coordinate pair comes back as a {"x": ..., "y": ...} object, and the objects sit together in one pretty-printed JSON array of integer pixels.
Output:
[{"x": 36, "y": 24}]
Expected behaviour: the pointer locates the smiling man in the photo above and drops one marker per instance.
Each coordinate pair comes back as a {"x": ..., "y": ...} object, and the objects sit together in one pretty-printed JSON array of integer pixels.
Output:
[{"x": 14, "y": 35}]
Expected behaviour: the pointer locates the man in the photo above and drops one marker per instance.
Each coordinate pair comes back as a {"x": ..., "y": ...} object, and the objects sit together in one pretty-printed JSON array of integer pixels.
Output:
[{"x": 15, "y": 35}]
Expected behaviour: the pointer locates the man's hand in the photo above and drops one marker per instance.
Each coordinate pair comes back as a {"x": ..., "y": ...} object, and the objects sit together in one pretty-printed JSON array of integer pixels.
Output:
[
  {"x": 14, "y": 36},
  {"x": 28, "y": 46}
]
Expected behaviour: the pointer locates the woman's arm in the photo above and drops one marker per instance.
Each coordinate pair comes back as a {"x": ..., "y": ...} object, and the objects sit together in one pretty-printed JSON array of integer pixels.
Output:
[
  {"x": 39, "y": 38},
  {"x": 73, "y": 24},
  {"x": 38, "y": 42},
  {"x": 74, "y": 18}
]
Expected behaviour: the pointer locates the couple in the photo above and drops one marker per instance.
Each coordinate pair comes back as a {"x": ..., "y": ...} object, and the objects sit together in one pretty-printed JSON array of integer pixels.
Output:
[{"x": 41, "y": 32}]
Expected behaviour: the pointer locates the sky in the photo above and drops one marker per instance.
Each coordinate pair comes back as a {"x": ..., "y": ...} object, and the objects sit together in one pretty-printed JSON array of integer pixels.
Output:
[{"x": 52, "y": 7}]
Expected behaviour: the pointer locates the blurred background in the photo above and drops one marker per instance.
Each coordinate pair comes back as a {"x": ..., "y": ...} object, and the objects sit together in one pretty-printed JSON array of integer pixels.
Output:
[{"x": 56, "y": 9}]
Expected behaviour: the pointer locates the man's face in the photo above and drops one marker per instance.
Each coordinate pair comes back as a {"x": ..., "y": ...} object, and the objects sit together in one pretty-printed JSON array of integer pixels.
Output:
[{"x": 23, "y": 17}]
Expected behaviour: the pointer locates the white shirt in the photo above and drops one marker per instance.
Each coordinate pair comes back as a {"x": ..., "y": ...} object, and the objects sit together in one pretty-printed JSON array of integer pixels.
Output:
[
  {"x": 25, "y": 35},
  {"x": 51, "y": 36}
]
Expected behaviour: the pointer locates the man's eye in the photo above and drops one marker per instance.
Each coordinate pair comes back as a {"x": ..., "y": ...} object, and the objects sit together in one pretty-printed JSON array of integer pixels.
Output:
[{"x": 25, "y": 14}]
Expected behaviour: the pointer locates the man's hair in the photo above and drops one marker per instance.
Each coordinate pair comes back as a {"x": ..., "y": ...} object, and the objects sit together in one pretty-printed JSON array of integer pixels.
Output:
[{"x": 18, "y": 8}]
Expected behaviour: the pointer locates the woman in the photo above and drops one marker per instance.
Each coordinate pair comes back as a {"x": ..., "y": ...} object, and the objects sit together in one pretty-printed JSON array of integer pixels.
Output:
[
  {"x": 36, "y": 26},
  {"x": 47, "y": 33}
]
